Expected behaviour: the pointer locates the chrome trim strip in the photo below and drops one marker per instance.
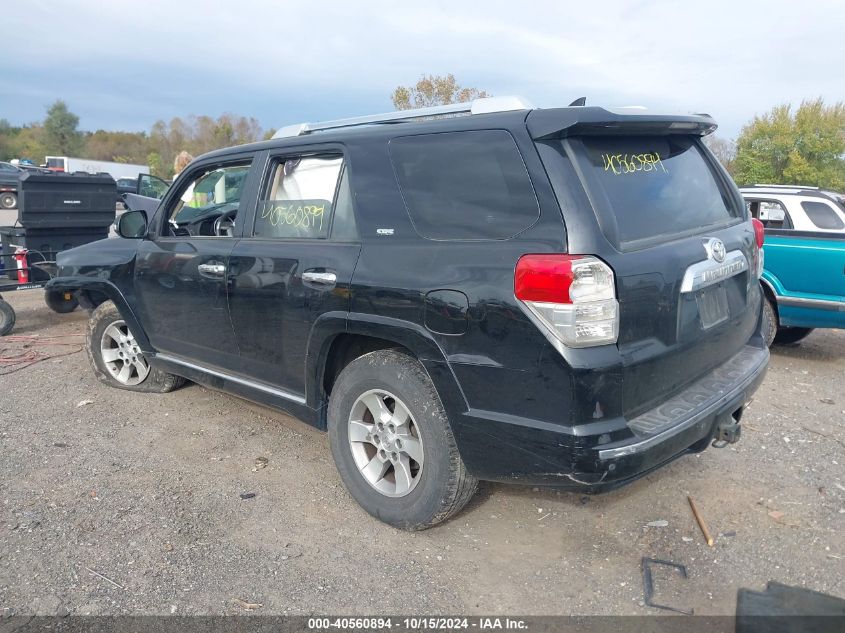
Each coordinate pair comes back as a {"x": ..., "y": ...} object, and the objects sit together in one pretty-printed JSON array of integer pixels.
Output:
[
  {"x": 241, "y": 381},
  {"x": 637, "y": 447},
  {"x": 709, "y": 272},
  {"x": 819, "y": 304}
]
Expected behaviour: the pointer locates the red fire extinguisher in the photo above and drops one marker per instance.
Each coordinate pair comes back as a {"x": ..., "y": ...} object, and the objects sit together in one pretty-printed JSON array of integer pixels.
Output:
[{"x": 23, "y": 268}]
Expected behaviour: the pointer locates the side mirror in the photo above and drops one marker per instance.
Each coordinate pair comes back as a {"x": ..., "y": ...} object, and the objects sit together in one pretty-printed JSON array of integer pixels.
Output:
[{"x": 132, "y": 225}]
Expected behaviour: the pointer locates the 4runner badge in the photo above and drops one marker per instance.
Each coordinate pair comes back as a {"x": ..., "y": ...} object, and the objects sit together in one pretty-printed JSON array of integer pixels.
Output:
[{"x": 715, "y": 249}]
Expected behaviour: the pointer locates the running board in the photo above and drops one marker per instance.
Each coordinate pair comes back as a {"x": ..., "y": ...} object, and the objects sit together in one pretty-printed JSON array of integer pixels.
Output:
[{"x": 281, "y": 393}]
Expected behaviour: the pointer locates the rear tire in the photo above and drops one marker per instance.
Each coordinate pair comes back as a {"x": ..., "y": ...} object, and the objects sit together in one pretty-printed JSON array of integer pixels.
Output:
[
  {"x": 8, "y": 200},
  {"x": 401, "y": 465},
  {"x": 790, "y": 335},
  {"x": 56, "y": 300},
  {"x": 7, "y": 318},
  {"x": 116, "y": 358},
  {"x": 770, "y": 321}
]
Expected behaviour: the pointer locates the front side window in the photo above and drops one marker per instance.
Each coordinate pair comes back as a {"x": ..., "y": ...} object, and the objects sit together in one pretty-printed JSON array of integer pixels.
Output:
[
  {"x": 209, "y": 202},
  {"x": 822, "y": 215},
  {"x": 464, "y": 185},
  {"x": 655, "y": 185},
  {"x": 300, "y": 199}
]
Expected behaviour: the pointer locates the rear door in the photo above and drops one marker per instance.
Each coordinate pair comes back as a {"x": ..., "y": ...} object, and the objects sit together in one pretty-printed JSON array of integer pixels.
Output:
[
  {"x": 666, "y": 218},
  {"x": 294, "y": 264}
]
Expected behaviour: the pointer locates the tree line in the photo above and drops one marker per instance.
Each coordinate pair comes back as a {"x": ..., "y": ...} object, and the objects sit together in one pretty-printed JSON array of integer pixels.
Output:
[
  {"x": 58, "y": 135},
  {"x": 786, "y": 145}
]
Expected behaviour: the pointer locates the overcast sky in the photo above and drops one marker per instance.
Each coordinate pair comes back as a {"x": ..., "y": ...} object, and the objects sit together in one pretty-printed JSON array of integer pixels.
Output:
[{"x": 123, "y": 65}]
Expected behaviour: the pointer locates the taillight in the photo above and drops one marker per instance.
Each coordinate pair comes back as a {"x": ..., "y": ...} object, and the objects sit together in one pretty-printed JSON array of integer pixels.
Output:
[
  {"x": 759, "y": 238},
  {"x": 759, "y": 232},
  {"x": 572, "y": 297}
]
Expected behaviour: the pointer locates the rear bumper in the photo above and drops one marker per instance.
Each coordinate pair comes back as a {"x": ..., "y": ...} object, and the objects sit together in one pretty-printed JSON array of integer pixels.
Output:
[{"x": 506, "y": 448}]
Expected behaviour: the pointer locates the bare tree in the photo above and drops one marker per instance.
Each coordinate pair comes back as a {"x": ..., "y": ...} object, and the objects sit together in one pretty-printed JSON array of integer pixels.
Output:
[
  {"x": 723, "y": 149},
  {"x": 433, "y": 90}
]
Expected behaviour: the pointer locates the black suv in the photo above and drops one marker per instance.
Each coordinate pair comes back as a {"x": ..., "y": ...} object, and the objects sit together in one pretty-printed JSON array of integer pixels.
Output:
[{"x": 563, "y": 297}]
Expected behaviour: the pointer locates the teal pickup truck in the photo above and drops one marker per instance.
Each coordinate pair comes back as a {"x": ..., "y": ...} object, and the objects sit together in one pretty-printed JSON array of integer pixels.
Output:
[{"x": 804, "y": 270}]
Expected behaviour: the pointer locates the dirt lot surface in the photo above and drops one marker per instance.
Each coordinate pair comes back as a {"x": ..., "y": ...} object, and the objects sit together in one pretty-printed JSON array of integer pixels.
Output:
[
  {"x": 119, "y": 503},
  {"x": 8, "y": 217}
]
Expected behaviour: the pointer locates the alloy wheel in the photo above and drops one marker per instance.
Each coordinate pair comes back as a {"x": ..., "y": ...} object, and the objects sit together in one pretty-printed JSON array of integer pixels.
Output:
[
  {"x": 122, "y": 356},
  {"x": 385, "y": 442}
]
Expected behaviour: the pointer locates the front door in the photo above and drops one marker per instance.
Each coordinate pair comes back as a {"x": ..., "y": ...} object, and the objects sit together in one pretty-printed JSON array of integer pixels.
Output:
[
  {"x": 292, "y": 266},
  {"x": 181, "y": 273}
]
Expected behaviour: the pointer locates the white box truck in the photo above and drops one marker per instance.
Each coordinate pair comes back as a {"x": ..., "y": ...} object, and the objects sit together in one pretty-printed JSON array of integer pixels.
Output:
[{"x": 117, "y": 170}]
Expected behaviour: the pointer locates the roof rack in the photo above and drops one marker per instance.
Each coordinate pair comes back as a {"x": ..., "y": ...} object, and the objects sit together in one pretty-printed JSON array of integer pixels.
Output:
[
  {"x": 763, "y": 186},
  {"x": 485, "y": 105}
]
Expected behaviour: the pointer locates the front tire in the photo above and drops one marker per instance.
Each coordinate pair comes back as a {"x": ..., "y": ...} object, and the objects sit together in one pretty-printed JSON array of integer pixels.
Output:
[
  {"x": 392, "y": 442},
  {"x": 116, "y": 358}
]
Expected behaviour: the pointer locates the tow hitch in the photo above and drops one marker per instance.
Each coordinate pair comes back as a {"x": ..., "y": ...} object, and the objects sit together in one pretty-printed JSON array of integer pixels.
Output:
[{"x": 728, "y": 431}]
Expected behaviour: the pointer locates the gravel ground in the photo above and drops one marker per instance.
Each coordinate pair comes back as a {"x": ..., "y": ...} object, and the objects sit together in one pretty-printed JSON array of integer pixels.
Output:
[
  {"x": 131, "y": 504},
  {"x": 8, "y": 217}
]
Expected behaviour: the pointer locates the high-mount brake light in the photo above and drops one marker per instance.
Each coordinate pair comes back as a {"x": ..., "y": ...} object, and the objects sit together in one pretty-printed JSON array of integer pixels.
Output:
[{"x": 572, "y": 298}]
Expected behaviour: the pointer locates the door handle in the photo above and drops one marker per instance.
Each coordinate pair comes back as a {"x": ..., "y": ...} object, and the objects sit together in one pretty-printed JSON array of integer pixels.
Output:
[
  {"x": 212, "y": 270},
  {"x": 319, "y": 278}
]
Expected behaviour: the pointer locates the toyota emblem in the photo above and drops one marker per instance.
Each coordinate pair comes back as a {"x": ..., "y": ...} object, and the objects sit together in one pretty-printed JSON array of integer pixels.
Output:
[{"x": 715, "y": 249}]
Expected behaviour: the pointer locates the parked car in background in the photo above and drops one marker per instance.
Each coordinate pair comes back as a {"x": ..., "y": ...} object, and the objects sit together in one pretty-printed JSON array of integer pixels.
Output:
[
  {"x": 29, "y": 166},
  {"x": 124, "y": 186},
  {"x": 565, "y": 297},
  {"x": 9, "y": 176},
  {"x": 797, "y": 208},
  {"x": 804, "y": 270}
]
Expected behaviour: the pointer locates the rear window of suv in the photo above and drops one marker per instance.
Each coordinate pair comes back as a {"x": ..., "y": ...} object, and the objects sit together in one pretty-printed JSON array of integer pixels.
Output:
[
  {"x": 655, "y": 185},
  {"x": 464, "y": 185}
]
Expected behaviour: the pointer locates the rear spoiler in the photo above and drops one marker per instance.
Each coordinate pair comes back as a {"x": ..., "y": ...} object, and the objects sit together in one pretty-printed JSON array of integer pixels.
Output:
[{"x": 561, "y": 122}]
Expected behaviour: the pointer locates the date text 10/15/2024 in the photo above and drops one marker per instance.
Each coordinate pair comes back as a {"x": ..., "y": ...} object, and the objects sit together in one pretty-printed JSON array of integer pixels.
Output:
[{"x": 417, "y": 623}]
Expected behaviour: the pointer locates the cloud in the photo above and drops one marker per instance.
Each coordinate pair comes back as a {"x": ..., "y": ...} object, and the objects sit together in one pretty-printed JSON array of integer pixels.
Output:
[{"x": 121, "y": 64}]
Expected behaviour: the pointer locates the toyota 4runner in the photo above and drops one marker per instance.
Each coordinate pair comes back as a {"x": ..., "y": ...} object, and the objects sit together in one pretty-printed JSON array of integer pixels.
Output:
[{"x": 563, "y": 297}]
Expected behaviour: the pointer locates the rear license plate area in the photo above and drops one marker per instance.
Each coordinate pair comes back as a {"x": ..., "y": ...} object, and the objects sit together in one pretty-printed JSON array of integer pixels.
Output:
[{"x": 712, "y": 306}]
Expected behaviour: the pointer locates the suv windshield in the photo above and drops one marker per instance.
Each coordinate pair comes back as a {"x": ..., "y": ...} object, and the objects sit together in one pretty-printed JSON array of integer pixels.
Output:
[{"x": 654, "y": 185}]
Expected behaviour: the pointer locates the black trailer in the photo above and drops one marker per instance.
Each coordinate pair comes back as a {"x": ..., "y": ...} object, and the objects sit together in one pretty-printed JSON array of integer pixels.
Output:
[{"x": 56, "y": 212}]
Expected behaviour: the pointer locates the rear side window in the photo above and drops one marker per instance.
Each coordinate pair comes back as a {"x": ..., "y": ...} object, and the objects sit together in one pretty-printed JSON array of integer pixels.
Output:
[
  {"x": 655, "y": 185},
  {"x": 300, "y": 199},
  {"x": 822, "y": 215},
  {"x": 464, "y": 185},
  {"x": 771, "y": 213}
]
